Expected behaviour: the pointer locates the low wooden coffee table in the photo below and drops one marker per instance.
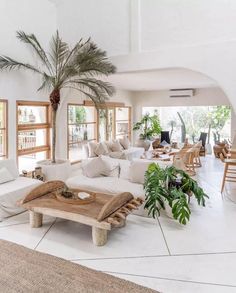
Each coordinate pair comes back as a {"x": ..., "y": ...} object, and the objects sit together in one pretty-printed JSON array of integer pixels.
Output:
[{"x": 104, "y": 213}]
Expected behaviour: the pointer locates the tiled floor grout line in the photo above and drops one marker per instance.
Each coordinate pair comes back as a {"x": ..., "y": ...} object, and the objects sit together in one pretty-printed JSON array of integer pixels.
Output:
[
  {"x": 16, "y": 224},
  {"x": 154, "y": 256},
  {"x": 45, "y": 234},
  {"x": 170, "y": 279},
  {"x": 164, "y": 236}
]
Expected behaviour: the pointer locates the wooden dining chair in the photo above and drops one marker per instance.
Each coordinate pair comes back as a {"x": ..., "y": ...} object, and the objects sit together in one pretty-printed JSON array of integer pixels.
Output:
[{"x": 229, "y": 171}]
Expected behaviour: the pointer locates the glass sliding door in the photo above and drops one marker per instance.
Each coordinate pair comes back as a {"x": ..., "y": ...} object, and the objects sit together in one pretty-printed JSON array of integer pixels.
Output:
[{"x": 82, "y": 127}]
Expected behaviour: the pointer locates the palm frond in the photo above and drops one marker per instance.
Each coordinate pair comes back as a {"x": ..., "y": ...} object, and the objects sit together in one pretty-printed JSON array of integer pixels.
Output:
[
  {"x": 7, "y": 63},
  {"x": 30, "y": 39},
  {"x": 105, "y": 87},
  {"x": 59, "y": 53},
  {"x": 47, "y": 82},
  {"x": 87, "y": 61}
]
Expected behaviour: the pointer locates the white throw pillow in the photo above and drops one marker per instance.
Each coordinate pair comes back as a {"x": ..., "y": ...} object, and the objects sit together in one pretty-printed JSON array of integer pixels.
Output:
[
  {"x": 5, "y": 176},
  {"x": 116, "y": 146},
  {"x": 112, "y": 165},
  {"x": 137, "y": 170},
  {"x": 95, "y": 168},
  {"x": 101, "y": 149},
  {"x": 125, "y": 143},
  {"x": 124, "y": 169},
  {"x": 92, "y": 147}
]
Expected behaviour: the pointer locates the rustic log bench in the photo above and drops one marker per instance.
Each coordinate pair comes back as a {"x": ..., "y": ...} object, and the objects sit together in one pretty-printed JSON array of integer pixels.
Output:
[{"x": 103, "y": 214}]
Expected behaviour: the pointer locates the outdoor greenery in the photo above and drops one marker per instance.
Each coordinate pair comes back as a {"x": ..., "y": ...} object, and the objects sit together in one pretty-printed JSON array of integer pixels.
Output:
[
  {"x": 149, "y": 126},
  {"x": 189, "y": 122},
  {"x": 63, "y": 67},
  {"x": 217, "y": 120},
  {"x": 80, "y": 115},
  {"x": 172, "y": 187}
]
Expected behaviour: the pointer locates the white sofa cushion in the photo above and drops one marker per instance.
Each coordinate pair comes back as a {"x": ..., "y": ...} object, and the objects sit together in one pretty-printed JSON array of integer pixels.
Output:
[
  {"x": 124, "y": 169},
  {"x": 133, "y": 152},
  {"x": 109, "y": 185},
  {"x": 117, "y": 155},
  {"x": 10, "y": 165},
  {"x": 13, "y": 191},
  {"x": 5, "y": 175},
  {"x": 137, "y": 169}
]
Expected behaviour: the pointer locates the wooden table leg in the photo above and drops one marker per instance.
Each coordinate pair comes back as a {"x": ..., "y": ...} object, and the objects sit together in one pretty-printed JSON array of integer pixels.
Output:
[
  {"x": 99, "y": 236},
  {"x": 36, "y": 219}
]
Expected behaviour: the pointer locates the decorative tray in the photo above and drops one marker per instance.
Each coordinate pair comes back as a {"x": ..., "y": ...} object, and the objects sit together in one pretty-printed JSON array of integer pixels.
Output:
[{"x": 75, "y": 197}]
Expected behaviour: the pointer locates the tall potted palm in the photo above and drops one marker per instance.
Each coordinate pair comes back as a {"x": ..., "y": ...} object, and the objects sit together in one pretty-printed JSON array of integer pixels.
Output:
[{"x": 63, "y": 67}]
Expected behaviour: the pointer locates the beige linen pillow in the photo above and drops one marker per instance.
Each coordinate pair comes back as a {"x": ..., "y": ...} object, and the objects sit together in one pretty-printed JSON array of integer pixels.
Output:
[
  {"x": 116, "y": 146},
  {"x": 137, "y": 169},
  {"x": 101, "y": 149},
  {"x": 112, "y": 167},
  {"x": 91, "y": 148},
  {"x": 125, "y": 143},
  {"x": 95, "y": 168},
  {"x": 109, "y": 145}
]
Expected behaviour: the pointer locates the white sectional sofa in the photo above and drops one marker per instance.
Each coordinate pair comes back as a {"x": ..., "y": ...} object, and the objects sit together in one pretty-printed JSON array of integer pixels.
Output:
[
  {"x": 125, "y": 152},
  {"x": 14, "y": 190},
  {"x": 130, "y": 178}
]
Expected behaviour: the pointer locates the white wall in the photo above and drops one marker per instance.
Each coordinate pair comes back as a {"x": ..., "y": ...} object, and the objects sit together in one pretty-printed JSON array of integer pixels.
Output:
[
  {"x": 169, "y": 23},
  {"x": 202, "y": 97},
  {"x": 199, "y": 35},
  {"x": 105, "y": 21},
  {"x": 32, "y": 16}
]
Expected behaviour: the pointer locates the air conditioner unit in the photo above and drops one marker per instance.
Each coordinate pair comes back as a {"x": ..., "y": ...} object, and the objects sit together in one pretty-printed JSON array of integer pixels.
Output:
[{"x": 181, "y": 93}]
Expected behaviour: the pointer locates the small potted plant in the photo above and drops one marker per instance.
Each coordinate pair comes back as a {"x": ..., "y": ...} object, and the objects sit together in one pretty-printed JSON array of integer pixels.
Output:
[
  {"x": 149, "y": 127},
  {"x": 171, "y": 187}
]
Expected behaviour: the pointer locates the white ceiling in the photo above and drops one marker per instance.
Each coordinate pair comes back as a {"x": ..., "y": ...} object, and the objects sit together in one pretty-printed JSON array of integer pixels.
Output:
[{"x": 163, "y": 79}]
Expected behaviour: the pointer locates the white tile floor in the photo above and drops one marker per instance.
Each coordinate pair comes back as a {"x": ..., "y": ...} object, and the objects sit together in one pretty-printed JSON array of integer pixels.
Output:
[{"x": 163, "y": 255}]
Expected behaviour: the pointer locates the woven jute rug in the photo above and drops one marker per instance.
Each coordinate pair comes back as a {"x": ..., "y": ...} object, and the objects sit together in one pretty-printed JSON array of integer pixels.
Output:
[{"x": 23, "y": 270}]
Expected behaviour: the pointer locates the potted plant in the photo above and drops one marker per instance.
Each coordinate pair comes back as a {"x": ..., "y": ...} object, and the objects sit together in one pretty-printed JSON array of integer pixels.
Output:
[
  {"x": 149, "y": 127},
  {"x": 171, "y": 187},
  {"x": 65, "y": 68}
]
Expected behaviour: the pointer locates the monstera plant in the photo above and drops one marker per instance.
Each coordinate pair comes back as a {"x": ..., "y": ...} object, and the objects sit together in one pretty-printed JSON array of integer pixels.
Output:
[
  {"x": 172, "y": 187},
  {"x": 79, "y": 68}
]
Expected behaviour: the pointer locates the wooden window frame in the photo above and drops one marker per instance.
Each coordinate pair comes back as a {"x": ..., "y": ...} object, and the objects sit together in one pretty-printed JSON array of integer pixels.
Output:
[
  {"x": 86, "y": 123},
  {"x": 5, "y": 129},
  {"x": 34, "y": 126}
]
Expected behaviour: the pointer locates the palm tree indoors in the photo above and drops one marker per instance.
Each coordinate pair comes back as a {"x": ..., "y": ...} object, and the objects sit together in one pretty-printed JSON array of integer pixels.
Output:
[{"x": 63, "y": 67}]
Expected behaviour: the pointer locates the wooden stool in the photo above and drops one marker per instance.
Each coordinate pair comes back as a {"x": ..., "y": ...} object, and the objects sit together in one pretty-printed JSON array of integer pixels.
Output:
[{"x": 229, "y": 172}]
